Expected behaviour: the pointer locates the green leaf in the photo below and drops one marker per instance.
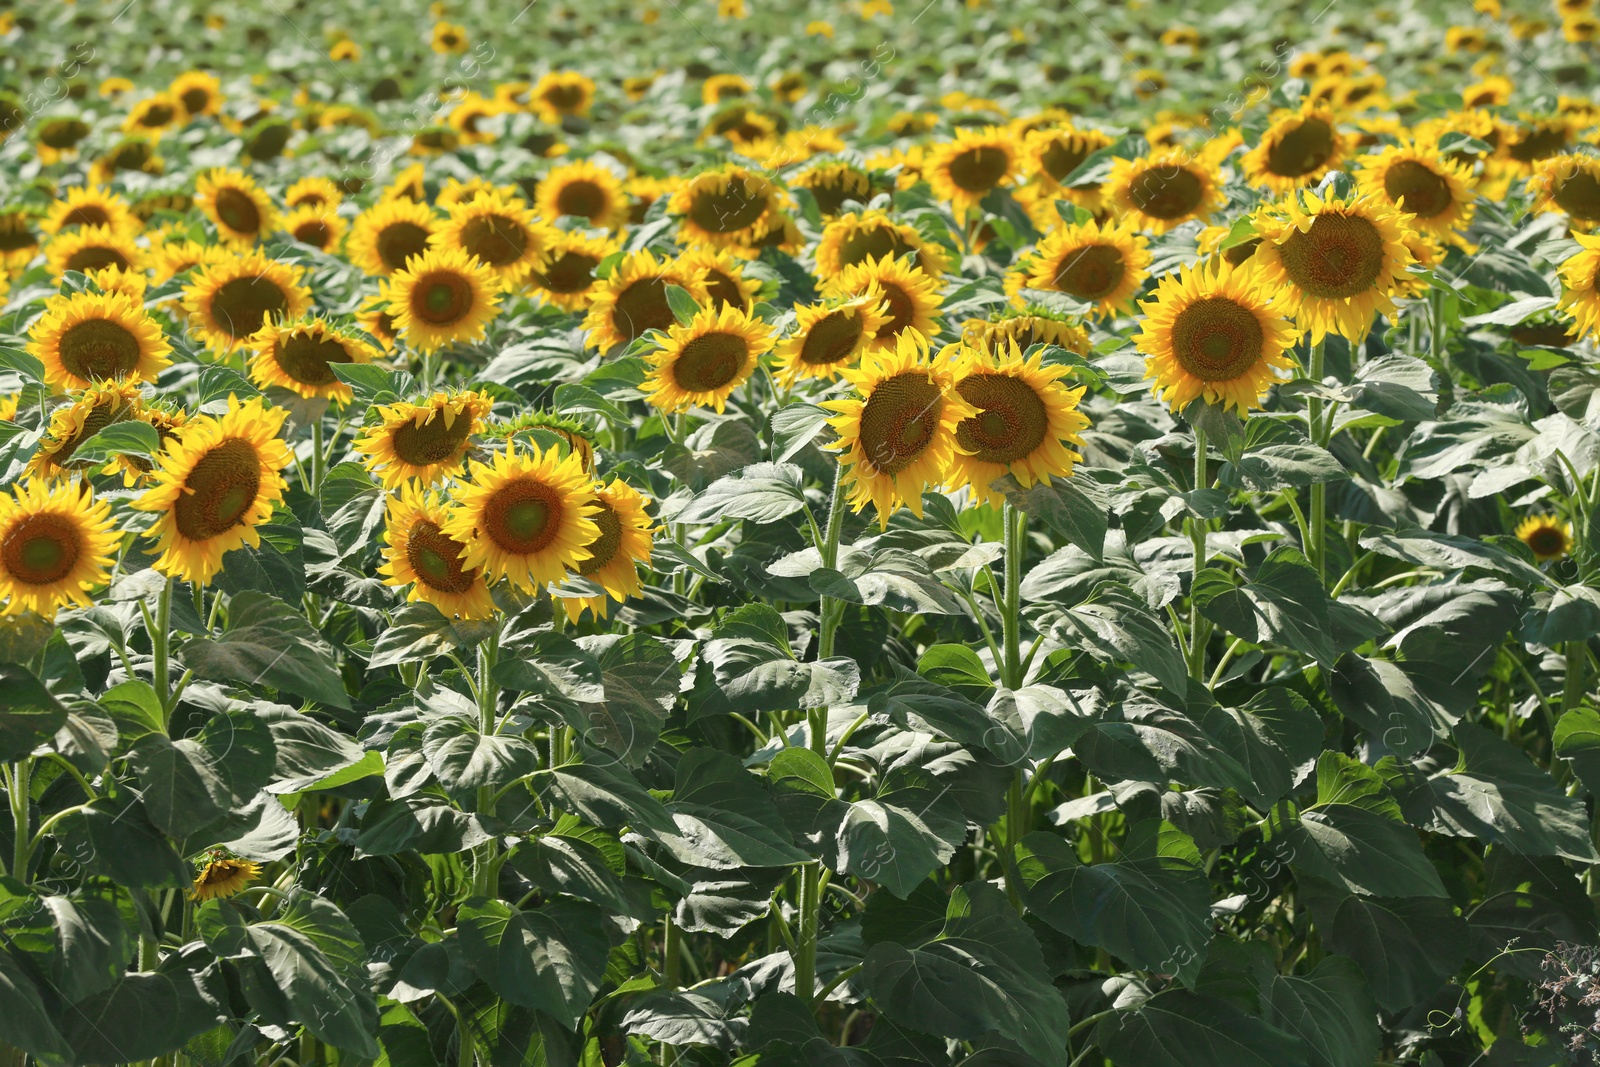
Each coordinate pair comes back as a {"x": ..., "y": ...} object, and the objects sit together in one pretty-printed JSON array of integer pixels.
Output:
[
  {"x": 113, "y": 837},
  {"x": 463, "y": 758},
  {"x": 424, "y": 823},
  {"x": 1361, "y": 851},
  {"x": 1284, "y": 603},
  {"x": 1183, "y": 1029},
  {"x": 640, "y": 676},
  {"x": 310, "y": 754},
  {"x": 189, "y": 783},
  {"x": 760, "y": 493},
  {"x": 1275, "y": 466},
  {"x": 910, "y": 828},
  {"x": 1118, "y": 626},
  {"x": 81, "y": 945},
  {"x": 725, "y": 817},
  {"x": 129, "y": 438},
  {"x": 794, "y": 426},
  {"x": 1073, "y": 508},
  {"x": 269, "y": 643},
  {"x": 1449, "y": 553},
  {"x": 608, "y": 797},
  {"x": 1405, "y": 948},
  {"x": 1577, "y": 738},
  {"x": 1331, "y": 1010},
  {"x": 552, "y": 958},
  {"x": 892, "y": 578},
  {"x": 25, "y": 1023},
  {"x": 684, "y": 307},
  {"x": 577, "y": 860},
  {"x": 1383, "y": 700},
  {"x": 29, "y": 715},
  {"x": 146, "y": 1015}
]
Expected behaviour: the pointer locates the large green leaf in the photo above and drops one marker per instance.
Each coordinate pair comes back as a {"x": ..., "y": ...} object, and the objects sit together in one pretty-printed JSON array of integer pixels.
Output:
[
  {"x": 1405, "y": 948},
  {"x": 464, "y": 758},
  {"x": 189, "y": 783},
  {"x": 29, "y": 715},
  {"x": 1284, "y": 603},
  {"x": 1331, "y": 1010},
  {"x": 25, "y": 1023},
  {"x": 1183, "y": 1029},
  {"x": 81, "y": 944},
  {"x": 269, "y": 643},
  {"x": 640, "y": 676},
  {"x": 113, "y": 837},
  {"x": 146, "y": 1015},
  {"x": 551, "y": 958},
  {"x": 1118, "y": 626},
  {"x": 725, "y": 816},
  {"x": 309, "y": 753},
  {"x": 1385, "y": 701},
  {"x": 761, "y": 492},
  {"x": 1073, "y": 508}
]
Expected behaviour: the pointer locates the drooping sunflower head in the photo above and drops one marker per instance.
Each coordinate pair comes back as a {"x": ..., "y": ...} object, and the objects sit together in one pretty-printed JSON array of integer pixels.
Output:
[
  {"x": 1334, "y": 261},
  {"x": 964, "y": 170},
  {"x": 221, "y": 876},
  {"x": 1438, "y": 192},
  {"x": 214, "y": 485},
  {"x": 500, "y": 233},
  {"x": 898, "y": 432},
  {"x": 85, "y": 206},
  {"x": 1163, "y": 190},
  {"x": 1547, "y": 536},
  {"x": 85, "y": 337},
  {"x": 1580, "y": 285},
  {"x": 831, "y": 184},
  {"x": 389, "y": 233},
  {"x": 575, "y": 436},
  {"x": 527, "y": 516},
  {"x": 56, "y": 544},
  {"x": 1211, "y": 333},
  {"x": 443, "y": 296},
  {"x": 91, "y": 248},
  {"x": 321, "y": 228},
  {"x": 1569, "y": 183},
  {"x": 729, "y": 206},
  {"x": 561, "y": 93},
  {"x": 425, "y": 442},
  {"x": 298, "y": 356},
  {"x": 702, "y": 363},
  {"x": 866, "y": 235},
  {"x": 417, "y": 552},
  {"x": 614, "y": 555},
  {"x": 1099, "y": 265},
  {"x": 240, "y": 209},
  {"x": 197, "y": 92},
  {"x": 1297, "y": 149},
  {"x": 910, "y": 298},
  {"x": 315, "y": 191},
  {"x": 633, "y": 299},
  {"x": 72, "y": 424},
  {"x": 229, "y": 300},
  {"x": 829, "y": 337},
  {"x": 722, "y": 274},
  {"x": 564, "y": 275},
  {"x": 584, "y": 190}
]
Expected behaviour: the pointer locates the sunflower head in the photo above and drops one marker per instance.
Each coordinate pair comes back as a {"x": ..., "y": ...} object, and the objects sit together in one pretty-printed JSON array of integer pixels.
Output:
[
  {"x": 321, "y": 228},
  {"x": 964, "y": 170},
  {"x": 1571, "y": 184},
  {"x": 583, "y": 190},
  {"x": 385, "y": 236},
  {"x": 910, "y": 298},
  {"x": 561, "y": 93},
  {"x": 85, "y": 337},
  {"x": 420, "y": 554},
  {"x": 442, "y": 296},
  {"x": 829, "y": 337},
  {"x": 1416, "y": 179},
  {"x": 1297, "y": 149},
  {"x": 623, "y": 543},
  {"x": 565, "y": 273},
  {"x": 238, "y": 207},
  {"x": 230, "y": 299},
  {"x": 722, "y": 274},
  {"x": 56, "y": 543},
  {"x": 703, "y": 362},
  {"x": 729, "y": 206},
  {"x": 500, "y": 233},
  {"x": 858, "y": 237},
  {"x": 1163, "y": 190},
  {"x": 299, "y": 356},
  {"x": 632, "y": 299},
  {"x": 85, "y": 206},
  {"x": 1099, "y": 265},
  {"x": 221, "y": 876},
  {"x": 91, "y": 248},
  {"x": 1547, "y": 537},
  {"x": 425, "y": 441},
  {"x": 1580, "y": 285}
]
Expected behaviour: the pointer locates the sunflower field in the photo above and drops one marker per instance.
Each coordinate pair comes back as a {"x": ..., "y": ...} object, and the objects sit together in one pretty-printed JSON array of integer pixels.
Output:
[{"x": 871, "y": 533}]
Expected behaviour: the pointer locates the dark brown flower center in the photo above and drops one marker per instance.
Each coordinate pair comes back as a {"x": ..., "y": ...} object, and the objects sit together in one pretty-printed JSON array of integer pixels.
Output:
[
  {"x": 873, "y": 242},
  {"x": 1578, "y": 194},
  {"x": 735, "y": 208},
  {"x": 305, "y": 357},
  {"x": 1061, "y": 157},
  {"x": 978, "y": 170},
  {"x": 41, "y": 549},
  {"x": 432, "y": 442},
  {"x": 642, "y": 306},
  {"x": 435, "y": 558},
  {"x": 1011, "y": 420},
  {"x": 219, "y": 491},
  {"x": 1339, "y": 256},
  {"x": 583, "y": 199},
  {"x": 1302, "y": 150},
  {"x": 832, "y": 339},
  {"x": 96, "y": 257},
  {"x": 237, "y": 211},
  {"x": 724, "y": 290},
  {"x": 195, "y": 100},
  {"x": 86, "y": 215},
  {"x": 709, "y": 362},
  {"x": 494, "y": 239},
  {"x": 1167, "y": 192},
  {"x": 1091, "y": 273},
  {"x": 398, "y": 242},
  {"x": 441, "y": 298},
  {"x": 1217, "y": 340},
  {"x": 603, "y": 549},
  {"x": 899, "y": 421},
  {"x": 96, "y": 349},
  {"x": 570, "y": 272},
  {"x": 315, "y": 233},
  {"x": 523, "y": 516},
  {"x": 240, "y": 305},
  {"x": 1414, "y": 187}
]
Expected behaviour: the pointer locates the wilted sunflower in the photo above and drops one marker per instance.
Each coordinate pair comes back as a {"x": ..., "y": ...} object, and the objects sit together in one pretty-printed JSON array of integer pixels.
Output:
[
  {"x": 1026, "y": 329},
  {"x": 85, "y": 206},
  {"x": 197, "y": 92},
  {"x": 963, "y": 171},
  {"x": 1580, "y": 285},
  {"x": 1100, "y": 265},
  {"x": 1025, "y": 420},
  {"x": 1297, "y": 149},
  {"x": 223, "y": 876},
  {"x": 90, "y": 248},
  {"x": 389, "y": 233},
  {"x": 1547, "y": 537},
  {"x": 72, "y": 424},
  {"x": 214, "y": 486},
  {"x": 1209, "y": 332},
  {"x": 153, "y": 115},
  {"x": 88, "y": 337},
  {"x": 320, "y": 227},
  {"x": 623, "y": 543},
  {"x": 241, "y": 210},
  {"x": 1334, "y": 263},
  {"x": 1164, "y": 189},
  {"x": 910, "y": 298},
  {"x": 527, "y": 516},
  {"x": 703, "y": 362},
  {"x": 584, "y": 190},
  {"x": 18, "y": 241},
  {"x": 561, "y": 93},
  {"x": 722, "y": 274},
  {"x": 867, "y": 235},
  {"x": 425, "y": 441},
  {"x": 1418, "y": 180},
  {"x": 297, "y": 356},
  {"x": 564, "y": 275},
  {"x": 56, "y": 544},
  {"x": 229, "y": 300},
  {"x": 729, "y": 206},
  {"x": 500, "y": 233},
  {"x": 831, "y": 184},
  {"x": 420, "y": 554},
  {"x": 633, "y": 299},
  {"x": 1569, "y": 183},
  {"x": 898, "y": 432},
  {"x": 829, "y": 337},
  {"x": 443, "y": 295}
]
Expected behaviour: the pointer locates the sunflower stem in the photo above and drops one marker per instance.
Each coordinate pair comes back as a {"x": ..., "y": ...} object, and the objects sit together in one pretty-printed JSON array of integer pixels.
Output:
[
  {"x": 1015, "y": 524},
  {"x": 1197, "y": 541},
  {"x": 1319, "y": 490},
  {"x": 160, "y": 668},
  {"x": 22, "y": 846},
  {"x": 318, "y": 460},
  {"x": 488, "y": 705}
]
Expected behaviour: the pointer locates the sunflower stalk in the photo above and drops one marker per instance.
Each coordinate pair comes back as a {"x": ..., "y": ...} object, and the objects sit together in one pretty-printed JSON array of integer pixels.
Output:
[
  {"x": 1198, "y": 528},
  {"x": 19, "y": 788},
  {"x": 484, "y": 860},
  {"x": 1011, "y": 671},
  {"x": 1319, "y": 490}
]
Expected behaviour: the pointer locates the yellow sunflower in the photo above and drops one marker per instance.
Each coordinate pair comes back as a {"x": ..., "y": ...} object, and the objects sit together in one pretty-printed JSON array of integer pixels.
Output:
[
  {"x": 153, "y": 115},
  {"x": 1580, "y": 285},
  {"x": 241, "y": 211},
  {"x": 72, "y": 424},
  {"x": 633, "y": 299},
  {"x": 1333, "y": 263},
  {"x": 1571, "y": 184},
  {"x": 91, "y": 248},
  {"x": 214, "y": 485},
  {"x": 1163, "y": 190},
  {"x": 374, "y": 317},
  {"x": 831, "y": 184},
  {"x": 229, "y": 300},
  {"x": 500, "y": 233},
  {"x": 564, "y": 275},
  {"x": 1491, "y": 92},
  {"x": 623, "y": 543},
  {"x": 197, "y": 92},
  {"x": 448, "y": 37},
  {"x": 455, "y": 191},
  {"x": 417, "y": 552},
  {"x": 526, "y": 516},
  {"x": 585, "y": 190},
  {"x": 88, "y": 337},
  {"x": 297, "y": 356},
  {"x": 1416, "y": 179},
  {"x": 56, "y": 544},
  {"x": 1050, "y": 155},
  {"x": 18, "y": 241},
  {"x": 1210, "y": 332},
  {"x": 171, "y": 258},
  {"x": 1547, "y": 537},
  {"x": 116, "y": 280},
  {"x": 1533, "y": 139},
  {"x": 963, "y": 171},
  {"x": 829, "y": 337},
  {"x": 223, "y": 876},
  {"x": 425, "y": 441},
  {"x": 561, "y": 93},
  {"x": 722, "y": 274},
  {"x": 1025, "y": 420},
  {"x": 722, "y": 87},
  {"x": 1026, "y": 330},
  {"x": 86, "y": 206},
  {"x": 471, "y": 110},
  {"x": 313, "y": 192},
  {"x": 1099, "y": 265},
  {"x": 898, "y": 432},
  {"x": 860, "y": 236},
  {"x": 1297, "y": 149},
  {"x": 443, "y": 295},
  {"x": 389, "y": 233},
  {"x": 702, "y": 363},
  {"x": 319, "y": 227},
  {"x": 409, "y": 184},
  {"x": 911, "y": 299},
  {"x": 729, "y": 206}
]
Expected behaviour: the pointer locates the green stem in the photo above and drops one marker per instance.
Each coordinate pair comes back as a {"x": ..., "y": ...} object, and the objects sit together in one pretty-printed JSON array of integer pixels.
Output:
[
  {"x": 21, "y": 773},
  {"x": 1319, "y": 491},
  {"x": 829, "y": 550},
  {"x": 318, "y": 460},
  {"x": 159, "y": 645},
  {"x": 1197, "y": 538},
  {"x": 1013, "y": 522},
  {"x": 488, "y": 704},
  {"x": 1577, "y": 660},
  {"x": 671, "y": 953}
]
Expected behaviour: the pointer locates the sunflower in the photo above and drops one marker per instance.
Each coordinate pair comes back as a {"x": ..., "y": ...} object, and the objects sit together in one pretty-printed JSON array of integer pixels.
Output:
[
  {"x": 153, "y": 115},
  {"x": 1416, "y": 179},
  {"x": 1297, "y": 149},
  {"x": 1532, "y": 139},
  {"x": 18, "y": 241},
  {"x": 197, "y": 92},
  {"x": 313, "y": 192},
  {"x": 443, "y": 295},
  {"x": 633, "y": 299},
  {"x": 1210, "y": 332},
  {"x": 722, "y": 274},
  {"x": 623, "y": 543},
  {"x": 526, "y": 516},
  {"x": 723, "y": 87},
  {"x": 389, "y": 233},
  {"x": 344, "y": 51},
  {"x": 584, "y": 190},
  {"x": 135, "y": 152},
  {"x": 72, "y": 424},
  {"x": 114, "y": 87},
  {"x": 417, "y": 552},
  {"x": 1163, "y": 190},
  {"x": 1335, "y": 262},
  {"x": 88, "y": 337},
  {"x": 374, "y": 317},
  {"x": 233, "y": 201},
  {"x": 228, "y": 300},
  {"x": 561, "y": 93},
  {"x": 86, "y": 206},
  {"x": 1569, "y": 183},
  {"x": 910, "y": 298},
  {"x": 223, "y": 876},
  {"x": 455, "y": 191},
  {"x": 171, "y": 258},
  {"x": 319, "y": 227},
  {"x": 214, "y": 486},
  {"x": 898, "y": 433},
  {"x": 703, "y": 362},
  {"x": 1546, "y": 536},
  {"x": 1580, "y": 285},
  {"x": 297, "y": 356},
  {"x": 448, "y": 37},
  {"x": 116, "y": 280},
  {"x": 409, "y": 184},
  {"x": 56, "y": 544},
  {"x": 1024, "y": 420},
  {"x": 468, "y": 112},
  {"x": 861, "y": 236},
  {"x": 500, "y": 233},
  {"x": 91, "y": 248},
  {"x": 1026, "y": 329},
  {"x": 831, "y": 184},
  {"x": 1491, "y": 92},
  {"x": 1049, "y": 156},
  {"x": 564, "y": 275},
  {"x": 729, "y": 206},
  {"x": 1099, "y": 265},
  {"x": 425, "y": 441},
  {"x": 963, "y": 171},
  {"x": 829, "y": 337}
]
